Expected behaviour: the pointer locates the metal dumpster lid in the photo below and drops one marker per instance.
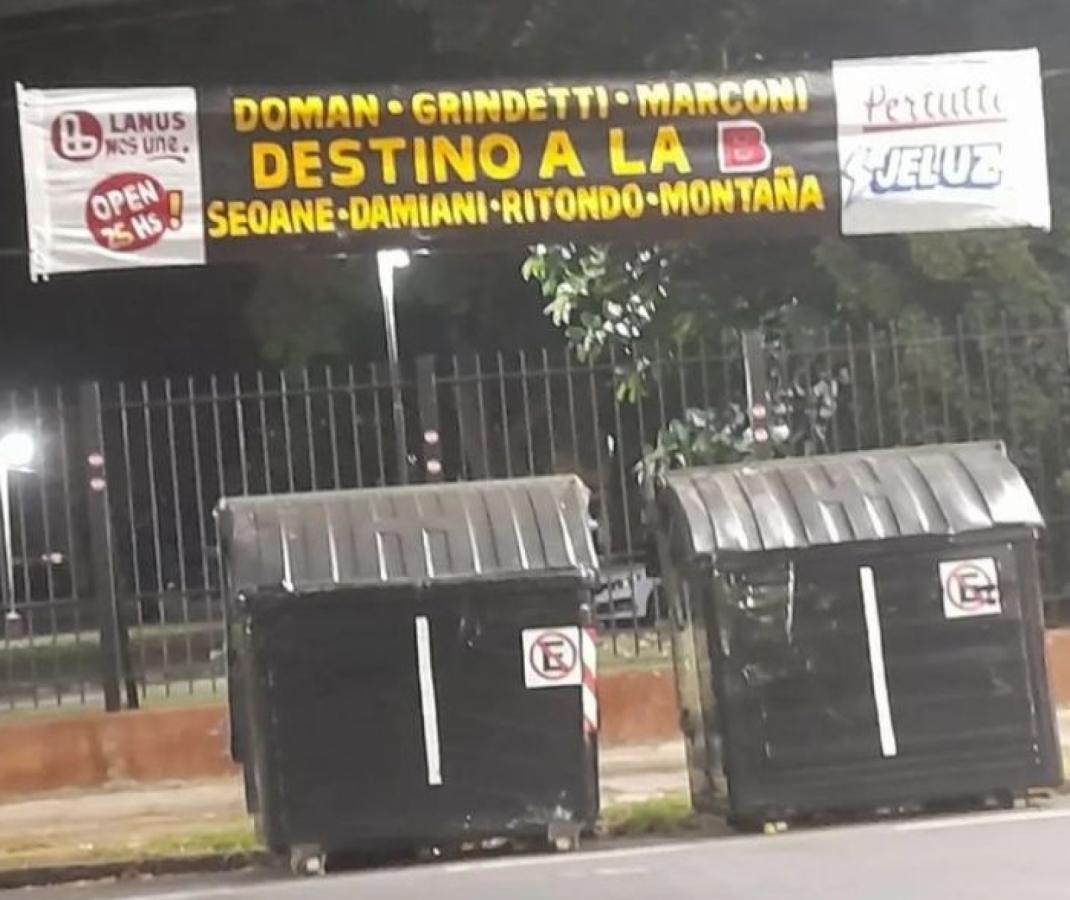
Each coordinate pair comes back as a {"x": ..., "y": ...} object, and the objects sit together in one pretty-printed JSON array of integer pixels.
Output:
[
  {"x": 820, "y": 501},
  {"x": 416, "y": 534}
]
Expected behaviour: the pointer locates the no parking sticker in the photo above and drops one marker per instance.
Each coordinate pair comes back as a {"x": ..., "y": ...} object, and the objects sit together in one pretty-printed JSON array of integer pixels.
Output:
[
  {"x": 552, "y": 657},
  {"x": 971, "y": 588}
]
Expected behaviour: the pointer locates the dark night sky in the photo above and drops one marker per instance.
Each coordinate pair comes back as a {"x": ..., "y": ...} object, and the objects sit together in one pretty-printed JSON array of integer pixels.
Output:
[
  {"x": 164, "y": 321},
  {"x": 194, "y": 320}
]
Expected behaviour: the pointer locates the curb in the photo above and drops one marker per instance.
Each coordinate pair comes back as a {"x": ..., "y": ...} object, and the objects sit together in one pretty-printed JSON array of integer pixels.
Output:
[{"x": 46, "y": 876}]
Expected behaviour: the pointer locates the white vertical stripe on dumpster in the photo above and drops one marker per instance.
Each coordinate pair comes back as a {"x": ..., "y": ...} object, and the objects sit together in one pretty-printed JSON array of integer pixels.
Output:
[
  {"x": 287, "y": 564},
  {"x": 428, "y": 702},
  {"x": 889, "y": 747},
  {"x": 589, "y": 658}
]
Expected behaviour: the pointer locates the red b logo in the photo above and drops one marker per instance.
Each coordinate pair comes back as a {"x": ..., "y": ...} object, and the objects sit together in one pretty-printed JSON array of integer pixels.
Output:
[
  {"x": 77, "y": 136},
  {"x": 742, "y": 148}
]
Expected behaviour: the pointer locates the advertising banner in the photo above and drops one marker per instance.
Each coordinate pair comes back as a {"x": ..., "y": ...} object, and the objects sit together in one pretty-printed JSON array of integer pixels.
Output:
[
  {"x": 131, "y": 177},
  {"x": 113, "y": 179},
  {"x": 944, "y": 143}
]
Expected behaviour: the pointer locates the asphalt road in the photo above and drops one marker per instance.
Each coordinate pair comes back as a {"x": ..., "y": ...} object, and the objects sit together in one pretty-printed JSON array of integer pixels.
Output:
[{"x": 987, "y": 856}]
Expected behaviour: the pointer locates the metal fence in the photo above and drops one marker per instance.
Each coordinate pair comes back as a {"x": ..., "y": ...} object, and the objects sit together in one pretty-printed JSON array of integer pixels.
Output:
[{"x": 117, "y": 575}]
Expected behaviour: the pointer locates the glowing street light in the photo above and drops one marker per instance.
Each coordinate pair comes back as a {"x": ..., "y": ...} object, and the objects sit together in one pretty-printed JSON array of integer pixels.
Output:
[
  {"x": 389, "y": 262},
  {"x": 17, "y": 451}
]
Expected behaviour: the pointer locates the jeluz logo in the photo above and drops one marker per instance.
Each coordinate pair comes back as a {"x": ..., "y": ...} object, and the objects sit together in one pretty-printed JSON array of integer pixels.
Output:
[
  {"x": 876, "y": 172},
  {"x": 77, "y": 136},
  {"x": 920, "y": 166}
]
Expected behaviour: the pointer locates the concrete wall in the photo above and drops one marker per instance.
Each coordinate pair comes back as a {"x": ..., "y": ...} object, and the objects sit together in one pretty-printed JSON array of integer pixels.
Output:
[
  {"x": 95, "y": 749},
  {"x": 1057, "y": 644},
  {"x": 90, "y": 750}
]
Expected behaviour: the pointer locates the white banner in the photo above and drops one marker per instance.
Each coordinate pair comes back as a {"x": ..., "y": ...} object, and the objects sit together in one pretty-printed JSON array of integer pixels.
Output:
[
  {"x": 113, "y": 178},
  {"x": 942, "y": 143}
]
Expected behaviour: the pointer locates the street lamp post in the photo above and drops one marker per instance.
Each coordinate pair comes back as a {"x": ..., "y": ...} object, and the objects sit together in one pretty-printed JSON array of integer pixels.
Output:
[
  {"x": 17, "y": 451},
  {"x": 389, "y": 261}
]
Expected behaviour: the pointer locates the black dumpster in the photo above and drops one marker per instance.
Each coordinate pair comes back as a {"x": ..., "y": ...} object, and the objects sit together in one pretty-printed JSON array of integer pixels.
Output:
[
  {"x": 859, "y": 632},
  {"x": 413, "y": 666}
]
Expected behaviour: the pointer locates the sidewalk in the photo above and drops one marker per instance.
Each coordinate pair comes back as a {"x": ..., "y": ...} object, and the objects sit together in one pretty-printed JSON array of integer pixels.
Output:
[
  {"x": 84, "y": 825},
  {"x": 138, "y": 820}
]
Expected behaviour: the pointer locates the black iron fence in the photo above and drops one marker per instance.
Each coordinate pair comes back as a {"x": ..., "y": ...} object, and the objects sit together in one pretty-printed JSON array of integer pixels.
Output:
[{"x": 117, "y": 576}]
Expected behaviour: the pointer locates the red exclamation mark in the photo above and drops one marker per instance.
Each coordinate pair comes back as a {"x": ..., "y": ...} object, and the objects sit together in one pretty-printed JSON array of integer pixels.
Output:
[{"x": 174, "y": 208}]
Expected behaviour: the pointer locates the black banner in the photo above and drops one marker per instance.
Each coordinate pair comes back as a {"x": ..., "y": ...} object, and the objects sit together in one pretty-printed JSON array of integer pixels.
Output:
[{"x": 340, "y": 171}]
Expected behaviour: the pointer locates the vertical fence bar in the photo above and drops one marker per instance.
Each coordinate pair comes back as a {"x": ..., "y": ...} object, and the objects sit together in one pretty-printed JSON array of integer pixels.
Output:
[
  {"x": 755, "y": 367},
  {"x": 551, "y": 425},
  {"x": 131, "y": 515},
  {"x": 265, "y": 430},
  {"x": 852, "y": 374},
  {"x": 618, "y": 424},
  {"x": 332, "y": 428},
  {"x": 154, "y": 507},
  {"x": 986, "y": 373},
  {"x": 704, "y": 374},
  {"x": 180, "y": 537},
  {"x": 1008, "y": 378},
  {"x": 19, "y": 503},
  {"x": 397, "y": 405},
  {"x": 504, "y": 402},
  {"x": 830, "y": 373},
  {"x": 874, "y": 368},
  {"x": 622, "y": 473},
  {"x": 663, "y": 418},
  {"x": 484, "y": 435},
  {"x": 239, "y": 424},
  {"x": 73, "y": 553},
  {"x": 42, "y": 499},
  {"x": 17, "y": 509},
  {"x": 114, "y": 641},
  {"x": 202, "y": 510},
  {"x": 964, "y": 371},
  {"x": 573, "y": 429},
  {"x": 222, "y": 482},
  {"x": 310, "y": 429},
  {"x": 217, "y": 437},
  {"x": 351, "y": 389},
  {"x": 918, "y": 345},
  {"x": 287, "y": 434},
  {"x": 378, "y": 423},
  {"x": 727, "y": 346},
  {"x": 527, "y": 412},
  {"x": 125, "y": 404},
  {"x": 150, "y": 463},
  {"x": 681, "y": 375},
  {"x": 945, "y": 394},
  {"x": 462, "y": 432},
  {"x": 48, "y": 549},
  {"x": 605, "y": 524},
  {"x": 897, "y": 383},
  {"x": 430, "y": 429}
]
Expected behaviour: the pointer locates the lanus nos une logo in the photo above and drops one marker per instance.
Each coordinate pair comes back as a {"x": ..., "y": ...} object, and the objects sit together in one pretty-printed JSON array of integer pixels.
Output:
[
  {"x": 79, "y": 136},
  {"x": 900, "y": 160}
]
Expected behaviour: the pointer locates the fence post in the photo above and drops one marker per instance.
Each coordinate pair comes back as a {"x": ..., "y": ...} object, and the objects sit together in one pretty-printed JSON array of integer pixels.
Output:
[
  {"x": 114, "y": 639},
  {"x": 397, "y": 405},
  {"x": 427, "y": 397},
  {"x": 755, "y": 368}
]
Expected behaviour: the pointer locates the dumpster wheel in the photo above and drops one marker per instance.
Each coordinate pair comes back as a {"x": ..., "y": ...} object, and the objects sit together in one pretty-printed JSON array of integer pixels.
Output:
[
  {"x": 564, "y": 837},
  {"x": 308, "y": 862}
]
